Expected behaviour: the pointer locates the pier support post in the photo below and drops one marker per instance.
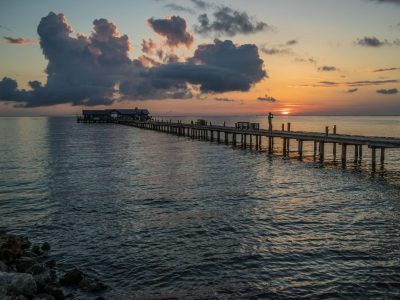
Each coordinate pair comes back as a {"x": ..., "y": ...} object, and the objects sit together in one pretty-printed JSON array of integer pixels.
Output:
[
  {"x": 288, "y": 143},
  {"x": 373, "y": 154},
  {"x": 218, "y": 136},
  {"x": 382, "y": 155},
  {"x": 284, "y": 146},
  {"x": 257, "y": 143},
  {"x": 251, "y": 141},
  {"x": 344, "y": 153},
  {"x": 321, "y": 151},
  {"x": 260, "y": 142},
  {"x": 226, "y": 138},
  {"x": 355, "y": 153},
  {"x": 360, "y": 152},
  {"x": 334, "y": 151},
  {"x": 300, "y": 148}
]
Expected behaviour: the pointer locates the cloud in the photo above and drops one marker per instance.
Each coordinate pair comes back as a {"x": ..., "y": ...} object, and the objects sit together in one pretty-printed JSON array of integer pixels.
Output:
[
  {"x": 291, "y": 42},
  {"x": 351, "y": 83},
  {"x": 201, "y": 4},
  {"x": 276, "y": 51},
  {"x": 371, "y": 42},
  {"x": 388, "y": 91},
  {"x": 19, "y": 41},
  {"x": 174, "y": 29},
  {"x": 229, "y": 22},
  {"x": 177, "y": 7},
  {"x": 148, "y": 46},
  {"x": 387, "y": 1},
  {"x": 224, "y": 100},
  {"x": 267, "y": 98},
  {"x": 350, "y": 91},
  {"x": 370, "y": 82},
  {"x": 96, "y": 69},
  {"x": 306, "y": 60},
  {"x": 327, "y": 68},
  {"x": 385, "y": 70}
]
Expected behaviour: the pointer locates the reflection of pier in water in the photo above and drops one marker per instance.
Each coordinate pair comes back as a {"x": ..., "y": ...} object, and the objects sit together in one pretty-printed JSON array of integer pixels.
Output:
[{"x": 252, "y": 138}]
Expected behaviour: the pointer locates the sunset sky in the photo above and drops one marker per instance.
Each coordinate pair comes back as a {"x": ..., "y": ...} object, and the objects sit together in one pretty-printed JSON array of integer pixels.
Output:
[{"x": 195, "y": 57}]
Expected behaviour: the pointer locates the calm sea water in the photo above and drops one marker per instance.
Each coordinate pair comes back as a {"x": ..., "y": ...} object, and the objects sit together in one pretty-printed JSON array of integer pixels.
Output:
[{"x": 157, "y": 216}]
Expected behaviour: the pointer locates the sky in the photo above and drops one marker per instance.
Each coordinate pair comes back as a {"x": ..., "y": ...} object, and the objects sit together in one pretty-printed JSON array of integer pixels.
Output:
[{"x": 200, "y": 57}]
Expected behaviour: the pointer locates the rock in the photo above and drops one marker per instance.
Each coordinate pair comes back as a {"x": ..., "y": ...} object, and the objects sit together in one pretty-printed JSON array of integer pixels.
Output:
[
  {"x": 51, "y": 264},
  {"x": 24, "y": 263},
  {"x": 43, "y": 297},
  {"x": 56, "y": 293},
  {"x": 36, "y": 269},
  {"x": 72, "y": 277},
  {"x": 92, "y": 285},
  {"x": 4, "y": 268},
  {"x": 36, "y": 250},
  {"x": 20, "y": 297},
  {"x": 42, "y": 279},
  {"x": 21, "y": 283},
  {"x": 11, "y": 247},
  {"x": 45, "y": 246}
]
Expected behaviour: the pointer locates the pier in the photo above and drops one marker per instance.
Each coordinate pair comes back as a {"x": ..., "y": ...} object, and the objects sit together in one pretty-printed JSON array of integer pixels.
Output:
[{"x": 252, "y": 138}]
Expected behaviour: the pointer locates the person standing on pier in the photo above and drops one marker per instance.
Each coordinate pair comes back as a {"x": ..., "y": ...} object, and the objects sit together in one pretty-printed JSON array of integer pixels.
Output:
[{"x": 270, "y": 117}]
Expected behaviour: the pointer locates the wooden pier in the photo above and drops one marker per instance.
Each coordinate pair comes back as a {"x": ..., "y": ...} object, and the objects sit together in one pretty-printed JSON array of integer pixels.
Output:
[{"x": 252, "y": 138}]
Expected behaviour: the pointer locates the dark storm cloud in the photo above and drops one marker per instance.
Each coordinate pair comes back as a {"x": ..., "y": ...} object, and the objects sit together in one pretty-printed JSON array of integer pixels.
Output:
[
  {"x": 177, "y": 7},
  {"x": 327, "y": 68},
  {"x": 218, "y": 67},
  {"x": 96, "y": 69},
  {"x": 174, "y": 29},
  {"x": 267, "y": 98},
  {"x": 371, "y": 42},
  {"x": 229, "y": 22},
  {"x": 388, "y": 91},
  {"x": 19, "y": 41},
  {"x": 385, "y": 70},
  {"x": 350, "y": 91}
]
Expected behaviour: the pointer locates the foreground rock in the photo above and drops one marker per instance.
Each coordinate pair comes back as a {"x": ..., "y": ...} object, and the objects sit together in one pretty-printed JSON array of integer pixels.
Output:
[
  {"x": 26, "y": 274},
  {"x": 18, "y": 283}
]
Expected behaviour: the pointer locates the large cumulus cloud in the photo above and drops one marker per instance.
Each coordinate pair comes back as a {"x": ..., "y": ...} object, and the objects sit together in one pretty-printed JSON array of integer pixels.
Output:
[{"x": 96, "y": 69}]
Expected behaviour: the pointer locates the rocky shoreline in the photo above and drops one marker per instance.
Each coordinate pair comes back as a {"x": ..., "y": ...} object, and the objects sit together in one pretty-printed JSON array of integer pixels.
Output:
[{"x": 28, "y": 272}]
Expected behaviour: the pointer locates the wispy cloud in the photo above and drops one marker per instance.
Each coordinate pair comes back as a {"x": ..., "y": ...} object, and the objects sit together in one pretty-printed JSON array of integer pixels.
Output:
[
  {"x": 350, "y": 91},
  {"x": 350, "y": 83},
  {"x": 375, "y": 42},
  {"x": 224, "y": 100},
  {"x": 388, "y": 91},
  {"x": 267, "y": 98},
  {"x": 385, "y": 70},
  {"x": 327, "y": 68},
  {"x": 177, "y": 7},
  {"x": 306, "y": 60},
  {"x": 275, "y": 51},
  {"x": 19, "y": 41}
]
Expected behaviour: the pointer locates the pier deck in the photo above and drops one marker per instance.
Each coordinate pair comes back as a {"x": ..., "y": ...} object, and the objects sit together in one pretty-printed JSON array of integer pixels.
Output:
[{"x": 253, "y": 138}]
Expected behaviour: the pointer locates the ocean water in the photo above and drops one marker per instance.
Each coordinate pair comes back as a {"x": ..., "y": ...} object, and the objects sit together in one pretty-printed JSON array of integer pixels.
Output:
[{"x": 157, "y": 216}]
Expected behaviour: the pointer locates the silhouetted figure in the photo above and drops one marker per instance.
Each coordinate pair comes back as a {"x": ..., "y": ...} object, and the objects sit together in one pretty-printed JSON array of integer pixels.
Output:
[{"x": 270, "y": 117}]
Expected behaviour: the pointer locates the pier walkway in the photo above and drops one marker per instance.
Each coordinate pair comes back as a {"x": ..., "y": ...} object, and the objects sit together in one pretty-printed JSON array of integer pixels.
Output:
[{"x": 252, "y": 138}]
